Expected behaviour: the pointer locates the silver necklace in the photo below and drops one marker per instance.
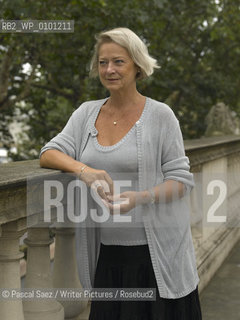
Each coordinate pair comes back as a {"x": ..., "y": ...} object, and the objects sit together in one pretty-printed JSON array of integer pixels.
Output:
[{"x": 115, "y": 121}]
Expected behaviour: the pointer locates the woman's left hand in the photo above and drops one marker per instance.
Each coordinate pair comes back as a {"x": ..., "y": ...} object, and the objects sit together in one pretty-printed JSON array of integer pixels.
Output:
[{"x": 122, "y": 203}]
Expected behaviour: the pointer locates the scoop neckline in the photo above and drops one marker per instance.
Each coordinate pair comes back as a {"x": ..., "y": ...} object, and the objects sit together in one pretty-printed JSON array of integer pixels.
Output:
[{"x": 113, "y": 146}]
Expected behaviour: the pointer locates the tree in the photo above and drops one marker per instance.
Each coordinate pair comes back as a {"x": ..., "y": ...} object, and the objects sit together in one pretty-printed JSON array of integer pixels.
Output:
[{"x": 195, "y": 42}]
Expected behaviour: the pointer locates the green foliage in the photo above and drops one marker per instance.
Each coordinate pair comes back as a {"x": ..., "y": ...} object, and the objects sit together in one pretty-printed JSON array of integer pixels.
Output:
[{"x": 195, "y": 42}]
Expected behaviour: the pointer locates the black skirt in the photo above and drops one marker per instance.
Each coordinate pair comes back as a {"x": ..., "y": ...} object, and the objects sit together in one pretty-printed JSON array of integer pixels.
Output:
[{"x": 131, "y": 267}]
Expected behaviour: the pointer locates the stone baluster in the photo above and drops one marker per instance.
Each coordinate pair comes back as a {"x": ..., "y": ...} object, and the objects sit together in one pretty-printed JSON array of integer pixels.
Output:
[
  {"x": 10, "y": 268},
  {"x": 65, "y": 273},
  {"x": 39, "y": 276}
]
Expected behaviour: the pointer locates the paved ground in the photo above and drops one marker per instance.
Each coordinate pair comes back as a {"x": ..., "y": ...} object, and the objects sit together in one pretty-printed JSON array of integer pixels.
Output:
[{"x": 220, "y": 300}]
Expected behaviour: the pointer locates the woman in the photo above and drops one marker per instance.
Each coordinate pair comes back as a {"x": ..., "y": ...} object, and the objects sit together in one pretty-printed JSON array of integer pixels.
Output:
[{"x": 128, "y": 136}]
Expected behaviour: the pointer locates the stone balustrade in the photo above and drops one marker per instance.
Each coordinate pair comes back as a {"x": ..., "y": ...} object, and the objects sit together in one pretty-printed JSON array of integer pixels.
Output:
[
  {"x": 215, "y": 204},
  {"x": 215, "y": 201}
]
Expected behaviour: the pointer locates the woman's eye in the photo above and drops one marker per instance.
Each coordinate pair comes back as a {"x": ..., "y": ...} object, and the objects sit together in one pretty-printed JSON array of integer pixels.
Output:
[
  {"x": 102, "y": 62},
  {"x": 119, "y": 61}
]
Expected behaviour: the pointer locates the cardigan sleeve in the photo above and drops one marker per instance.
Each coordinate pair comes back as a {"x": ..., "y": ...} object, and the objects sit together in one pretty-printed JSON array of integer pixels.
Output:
[
  {"x": 175, "y": 164},
  {"x": 64, "y": 141}
]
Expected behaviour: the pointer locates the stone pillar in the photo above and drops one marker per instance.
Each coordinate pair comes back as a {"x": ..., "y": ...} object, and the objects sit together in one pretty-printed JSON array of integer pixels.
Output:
[
  {"x": 10, "y": 268},
  {"x": 39, "y": 276},
  {"x": 65, "y": 273}
]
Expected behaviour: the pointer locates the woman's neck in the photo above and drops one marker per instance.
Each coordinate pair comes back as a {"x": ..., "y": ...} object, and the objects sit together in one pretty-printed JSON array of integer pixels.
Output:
[{"x": 125, "y": 100}]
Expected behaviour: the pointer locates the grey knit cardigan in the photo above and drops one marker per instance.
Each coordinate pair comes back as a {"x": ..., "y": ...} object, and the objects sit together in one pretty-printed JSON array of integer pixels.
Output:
[{"x": 161, "y": 157}]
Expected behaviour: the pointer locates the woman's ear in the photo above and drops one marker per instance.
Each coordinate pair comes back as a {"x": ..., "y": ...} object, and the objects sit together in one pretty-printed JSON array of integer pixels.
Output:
[{"x": 138, "y": 73}]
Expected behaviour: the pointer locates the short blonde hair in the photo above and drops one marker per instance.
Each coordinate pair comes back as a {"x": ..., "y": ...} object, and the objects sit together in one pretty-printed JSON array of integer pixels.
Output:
[{"x": 132, "y": 43}]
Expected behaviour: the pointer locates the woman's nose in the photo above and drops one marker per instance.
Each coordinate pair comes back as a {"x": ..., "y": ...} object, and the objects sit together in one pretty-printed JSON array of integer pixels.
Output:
[{"x": 110, "y": 68}]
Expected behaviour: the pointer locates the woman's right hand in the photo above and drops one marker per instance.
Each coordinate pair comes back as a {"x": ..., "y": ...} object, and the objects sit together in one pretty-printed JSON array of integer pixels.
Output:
[{"x": 99, "y": 180}]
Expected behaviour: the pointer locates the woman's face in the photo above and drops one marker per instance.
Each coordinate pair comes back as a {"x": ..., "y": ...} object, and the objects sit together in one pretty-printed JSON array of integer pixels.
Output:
[{"x": 117, "y": 71}]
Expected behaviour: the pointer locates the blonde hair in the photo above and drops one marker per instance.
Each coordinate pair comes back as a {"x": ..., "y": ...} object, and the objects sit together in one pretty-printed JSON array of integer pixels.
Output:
[{"x": 132, "y": 43}]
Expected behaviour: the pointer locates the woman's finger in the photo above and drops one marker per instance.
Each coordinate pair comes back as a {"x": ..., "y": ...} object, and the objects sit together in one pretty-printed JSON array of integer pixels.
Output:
[
  {"x": 110, "y": 183},
  {"x": 119, "y": 206},
  {"x": 100, "y": 186},
  {"x": 114, "y": 197}
]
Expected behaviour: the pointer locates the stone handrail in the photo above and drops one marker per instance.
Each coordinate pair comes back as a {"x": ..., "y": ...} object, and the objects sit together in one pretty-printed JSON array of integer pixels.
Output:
[
  {"x": 14, "y": 222},
  {"x": 214, "y": 161}
]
